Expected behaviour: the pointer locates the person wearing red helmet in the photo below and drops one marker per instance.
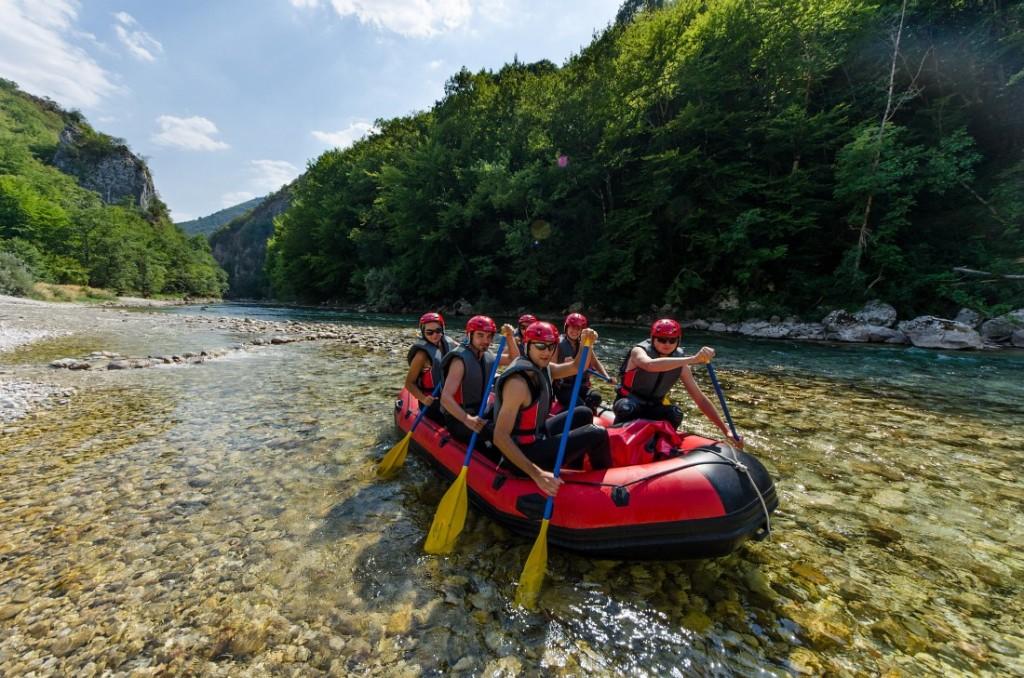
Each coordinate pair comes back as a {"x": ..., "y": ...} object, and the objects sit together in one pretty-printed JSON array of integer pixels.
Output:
[
  {"x": 522, "y": 430},
  {"x": 649, "y": 372},
  {"x": 568, "y": 347},
  {"x": 525, "y": 320},
  {"x": 424, "y": 358},
  {"x": 466, "y": 370}
]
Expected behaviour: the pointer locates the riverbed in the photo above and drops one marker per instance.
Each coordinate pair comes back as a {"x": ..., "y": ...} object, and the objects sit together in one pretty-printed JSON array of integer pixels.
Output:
[{"x": 224, "y": 518}]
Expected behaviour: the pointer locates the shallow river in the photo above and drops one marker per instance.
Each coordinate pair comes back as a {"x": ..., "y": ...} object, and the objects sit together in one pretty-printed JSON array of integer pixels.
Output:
[{"x": 225, "y": 518}]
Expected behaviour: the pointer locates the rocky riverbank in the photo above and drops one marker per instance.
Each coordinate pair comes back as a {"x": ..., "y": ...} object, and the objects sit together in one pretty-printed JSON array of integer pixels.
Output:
[
  {"x": 877, "y": 322},
  {"x": 197, "y": 339}
]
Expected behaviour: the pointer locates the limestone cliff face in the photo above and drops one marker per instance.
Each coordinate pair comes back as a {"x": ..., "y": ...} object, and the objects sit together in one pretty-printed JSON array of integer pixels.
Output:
[{"x": 103, "y": 165}]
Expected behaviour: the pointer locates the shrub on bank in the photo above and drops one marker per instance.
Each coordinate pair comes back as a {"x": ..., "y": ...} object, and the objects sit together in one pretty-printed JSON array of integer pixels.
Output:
[{"x": 15, "y": 278}]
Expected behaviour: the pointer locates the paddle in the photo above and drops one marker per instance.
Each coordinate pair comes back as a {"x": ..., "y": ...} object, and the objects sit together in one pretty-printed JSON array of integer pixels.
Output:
[
  {"x": 451, "y": 512},
  {"x": 395, "y": 457},
  {"x": 599, "y": 375},
  {"x": 532, "y": 577},
  {"x": 721, "y": 399}
]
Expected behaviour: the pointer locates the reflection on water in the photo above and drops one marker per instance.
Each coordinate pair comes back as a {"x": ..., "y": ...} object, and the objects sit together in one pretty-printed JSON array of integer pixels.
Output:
[{"x": 226, "y": 518}]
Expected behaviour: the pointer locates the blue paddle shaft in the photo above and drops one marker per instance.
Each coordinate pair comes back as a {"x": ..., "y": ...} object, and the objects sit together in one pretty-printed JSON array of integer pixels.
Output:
[
  {"x": 550, "y": 505},
  {"x": 423, "y": 408},
  {"x": 721, "y": 399},
  {"x": 483, "y": 403},
  {"x": 598, "y": 375}
]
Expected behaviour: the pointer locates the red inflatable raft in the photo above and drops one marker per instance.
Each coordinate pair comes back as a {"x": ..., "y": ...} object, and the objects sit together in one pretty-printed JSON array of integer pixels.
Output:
[{"x": 667, "y": 496}]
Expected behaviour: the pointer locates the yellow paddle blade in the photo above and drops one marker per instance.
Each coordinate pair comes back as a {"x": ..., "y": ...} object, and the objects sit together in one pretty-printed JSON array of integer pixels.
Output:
[
  {"x": 532, "y": 577},
  {"x": 395, "y": 457},
  {"x": 450, "y": 517}
]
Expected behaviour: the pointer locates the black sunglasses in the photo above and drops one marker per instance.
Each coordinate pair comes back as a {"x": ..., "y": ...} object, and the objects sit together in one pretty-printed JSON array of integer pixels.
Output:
[
  {"x": 544, "y": 345},
  {"x": 667, "y": 340},
  {"x": 439, "y": 330}
]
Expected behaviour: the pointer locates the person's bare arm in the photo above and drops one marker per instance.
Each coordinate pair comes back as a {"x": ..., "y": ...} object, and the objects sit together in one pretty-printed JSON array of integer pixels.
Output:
[
  {"x": 419, "y": 363},
  {"x": 451, "y": 385},
  {"x": 569, "y": 369},
  {"x": 704, "y": 405},
  {"x": 649, "y": 364},
  {"x": 511, "y": 347},
  {"x": 515, "y": 394}
]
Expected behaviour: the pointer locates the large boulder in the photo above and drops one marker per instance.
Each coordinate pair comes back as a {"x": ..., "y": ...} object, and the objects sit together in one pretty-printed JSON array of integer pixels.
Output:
[
  {"x": 1018, "y": 339},
  {"x": 462, "y": 307},
  {"x": 969, "y": 317},
  {"x": 876, "y": 312},
  {"x": 878, "y": 334},
  {"x": 836, "y": 320},
  {"x": 840, "y": 325},
  {"x": 927, "y": 331},
  {"x": 997, "y": 330},
  {"x": 1000, "y": 330},
  {"x": 760, "y": 328}
]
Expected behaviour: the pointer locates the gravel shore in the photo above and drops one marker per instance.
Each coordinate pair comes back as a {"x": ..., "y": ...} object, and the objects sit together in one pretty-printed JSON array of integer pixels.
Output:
[{"x": 40, "y": 340}]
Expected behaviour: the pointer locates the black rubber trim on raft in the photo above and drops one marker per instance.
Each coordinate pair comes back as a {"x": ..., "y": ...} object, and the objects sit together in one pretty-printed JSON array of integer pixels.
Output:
[{"x": 703, "y": 538}]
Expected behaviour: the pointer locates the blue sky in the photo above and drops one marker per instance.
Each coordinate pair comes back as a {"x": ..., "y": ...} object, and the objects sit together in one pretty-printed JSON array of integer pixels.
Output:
[{"x": 229, "y": 100}]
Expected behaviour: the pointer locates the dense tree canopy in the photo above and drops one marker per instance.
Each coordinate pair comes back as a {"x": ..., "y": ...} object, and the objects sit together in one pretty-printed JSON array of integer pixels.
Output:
[{"x": 791, "y": 154}]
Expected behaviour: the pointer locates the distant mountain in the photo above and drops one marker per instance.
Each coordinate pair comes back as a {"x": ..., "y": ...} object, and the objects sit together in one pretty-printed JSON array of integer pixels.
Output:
[
  {"x": 209, "y": 224},
  {"x": 240, "y": 246}
]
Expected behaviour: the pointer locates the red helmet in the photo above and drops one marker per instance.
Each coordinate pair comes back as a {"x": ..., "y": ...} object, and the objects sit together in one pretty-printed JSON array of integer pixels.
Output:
[
  {"x": 527, "y": 318},
  {"x": 540, "y": 331},
  {"x": 480, "y": 323},
  {"x": 576, "y": 320},
  {"x": 431, "y": 317},
  {"x": 666, "y": 328}
]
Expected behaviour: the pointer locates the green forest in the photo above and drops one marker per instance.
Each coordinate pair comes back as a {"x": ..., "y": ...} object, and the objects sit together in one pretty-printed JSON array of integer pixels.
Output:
[
  {"x": 790, "y": 155},
  {"x": 54, "y": 230}
]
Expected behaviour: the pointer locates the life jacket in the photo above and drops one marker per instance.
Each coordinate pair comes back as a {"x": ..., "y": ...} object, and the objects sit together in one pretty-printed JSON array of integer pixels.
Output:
[
  {"x": 474, "y": 377},
  {"x": 432, "y": 375},
  {"x": 566, "y": 350},
  {"x": 529, "y": 424},
  {"x": 650, "y": 387}
]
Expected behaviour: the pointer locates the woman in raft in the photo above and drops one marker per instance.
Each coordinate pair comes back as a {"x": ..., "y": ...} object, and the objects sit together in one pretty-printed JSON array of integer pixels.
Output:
[
  {"x": 522, "y": 430},
  {"x": 424, "y": 358}
]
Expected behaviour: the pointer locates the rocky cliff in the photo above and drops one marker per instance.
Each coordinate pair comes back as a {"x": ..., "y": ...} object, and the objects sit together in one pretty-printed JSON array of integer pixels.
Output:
[
  {"x": 105, "y": 165},
  {"x": 240, "y": 247}
]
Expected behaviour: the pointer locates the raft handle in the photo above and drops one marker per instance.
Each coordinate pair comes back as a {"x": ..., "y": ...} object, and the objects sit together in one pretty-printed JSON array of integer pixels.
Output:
[{"x": 620, "y": 495}]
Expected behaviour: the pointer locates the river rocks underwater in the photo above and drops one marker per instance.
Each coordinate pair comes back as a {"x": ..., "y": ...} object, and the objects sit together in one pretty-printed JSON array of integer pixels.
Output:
[{"x": 224, "y": 517}]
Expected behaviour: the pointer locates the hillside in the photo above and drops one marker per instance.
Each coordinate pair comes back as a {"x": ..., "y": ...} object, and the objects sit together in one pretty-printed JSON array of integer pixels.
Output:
[
  {"x": 770, "y": 158},
  {"x": 78, "y": 207},
  {"x": 208, "y": 224},
  {"x": 240, "y": 246}
]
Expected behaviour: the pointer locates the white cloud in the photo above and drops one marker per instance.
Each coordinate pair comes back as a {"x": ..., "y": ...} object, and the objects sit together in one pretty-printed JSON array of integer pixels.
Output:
[
  {"x": 141, "y": 44},
  {"x": 414, "y": 18},
  {"x": 435, "y": 64},
  {"x": 193, "y": 134},
  {"x": 235, "y": 197},
  {"x": 37, "y": 51},
  {"x": 273, "y": 174},
  {"x": 345, "y": 137}
]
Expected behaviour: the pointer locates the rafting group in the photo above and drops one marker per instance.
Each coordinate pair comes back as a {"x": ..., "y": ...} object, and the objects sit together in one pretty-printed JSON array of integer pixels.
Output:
[
  {"x": 629, "y": 483},
  {"x": 524, "y": 422}
]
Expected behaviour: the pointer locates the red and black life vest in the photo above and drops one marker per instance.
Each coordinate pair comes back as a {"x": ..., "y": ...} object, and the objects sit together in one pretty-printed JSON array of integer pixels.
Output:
[
  {"x": 529, "y": 425},
  {"x": 649, "y": 387},
  {"x": 474, "y": 377},
  {"x": 432, "y": 375}
]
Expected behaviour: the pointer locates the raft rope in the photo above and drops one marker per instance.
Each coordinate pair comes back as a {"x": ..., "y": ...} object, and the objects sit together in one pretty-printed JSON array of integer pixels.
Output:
[{"x": 741, "y": 467}]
